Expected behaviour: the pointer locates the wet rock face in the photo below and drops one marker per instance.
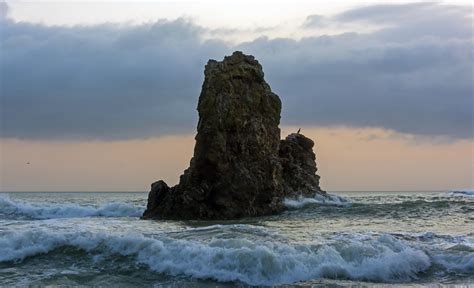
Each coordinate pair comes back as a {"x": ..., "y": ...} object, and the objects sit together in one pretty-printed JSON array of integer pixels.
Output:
[
  {"x": 239, "y": 168},
  {"x": 299, "y": 166},
  {"x": 159, "y": 190}
]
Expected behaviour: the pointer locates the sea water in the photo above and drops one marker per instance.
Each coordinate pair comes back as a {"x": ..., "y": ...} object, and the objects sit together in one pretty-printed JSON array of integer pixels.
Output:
[{"x": 361, "y": 238}]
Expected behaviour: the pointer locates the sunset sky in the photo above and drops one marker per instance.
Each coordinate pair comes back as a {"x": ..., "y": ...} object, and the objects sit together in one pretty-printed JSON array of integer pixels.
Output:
[{"x": 103, "y": 96}]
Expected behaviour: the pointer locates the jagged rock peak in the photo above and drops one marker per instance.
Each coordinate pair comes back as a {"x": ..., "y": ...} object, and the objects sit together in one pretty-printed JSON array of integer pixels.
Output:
[
  {"x": 238, "y": 168},
  {"x": 237, "y": 59}
]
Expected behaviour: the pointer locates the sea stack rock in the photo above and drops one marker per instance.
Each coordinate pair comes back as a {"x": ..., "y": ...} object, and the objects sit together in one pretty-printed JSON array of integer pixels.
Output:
[
  {"x": 240, "y": 167},
  {"x": 299, "y": 166}
]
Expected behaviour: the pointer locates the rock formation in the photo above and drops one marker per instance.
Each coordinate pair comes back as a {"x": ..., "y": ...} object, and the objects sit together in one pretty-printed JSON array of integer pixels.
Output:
[
  {"x": 299, "y": 166},
  {"x": 240, "y": 166}
]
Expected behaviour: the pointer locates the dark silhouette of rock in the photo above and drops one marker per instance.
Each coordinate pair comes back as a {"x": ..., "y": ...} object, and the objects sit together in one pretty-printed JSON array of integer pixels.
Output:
[
  {"x": 299, "y": 166},
  {"x": 240, "y": 166},
  {"x": 159, "y": 190}
]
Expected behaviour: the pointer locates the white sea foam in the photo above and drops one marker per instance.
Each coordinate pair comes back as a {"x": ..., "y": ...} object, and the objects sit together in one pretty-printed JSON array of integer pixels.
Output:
[
  {"x": 463, "y": 262},
  {"x": 328, "y": 199},
  {"x": 382, "y": 258},
  {"x": 66, "y": 210},
  {"x": 464, "y": 192}
]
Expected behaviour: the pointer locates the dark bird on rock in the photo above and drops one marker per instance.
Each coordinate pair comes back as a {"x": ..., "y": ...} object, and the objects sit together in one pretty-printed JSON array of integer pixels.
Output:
[{"x": 298, "y": 132}]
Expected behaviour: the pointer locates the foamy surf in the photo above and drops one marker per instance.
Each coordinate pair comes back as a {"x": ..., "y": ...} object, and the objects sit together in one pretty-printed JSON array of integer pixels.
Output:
[
  {"x": 417, "y": 238},
  {"x": 42, "y": 211},
  {"x": 466, "y": 192},
  {"x": 375, "y": 258},
  {"x": 328, "y": 199}
]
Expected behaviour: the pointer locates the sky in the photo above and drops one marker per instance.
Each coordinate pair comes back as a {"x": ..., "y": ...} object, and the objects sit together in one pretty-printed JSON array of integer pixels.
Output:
[{"x": 102, "y": 96}]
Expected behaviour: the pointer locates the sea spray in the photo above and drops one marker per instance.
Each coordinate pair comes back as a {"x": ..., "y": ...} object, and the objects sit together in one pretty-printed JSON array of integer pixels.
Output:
[
  {"x": 464, "y": 192},
  {"x": 66, "y": 210},
  {"x": 383, "y": 258},
  {"x": 300, "y": 202}
]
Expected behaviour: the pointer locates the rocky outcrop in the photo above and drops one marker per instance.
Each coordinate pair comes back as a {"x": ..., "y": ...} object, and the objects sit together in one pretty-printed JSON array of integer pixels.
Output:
[
  {"x": 240, "y": 167},
  {"x": 299, "y": 166}
]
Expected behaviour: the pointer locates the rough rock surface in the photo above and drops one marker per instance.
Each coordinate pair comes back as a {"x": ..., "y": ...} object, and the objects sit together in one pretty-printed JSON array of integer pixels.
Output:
[
  {"x": 240, "y": 166},
  {"x": 299, "y": 166}
]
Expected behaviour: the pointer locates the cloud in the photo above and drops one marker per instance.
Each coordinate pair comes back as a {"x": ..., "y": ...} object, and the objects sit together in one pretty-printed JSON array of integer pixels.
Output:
[
  {"x": 3, "y": 11},
  {"x": 412, "y": 12},
  {"x": 134, "y": 81},
  {"x": 315, "y": 21},
  {"x": 103, "y": 81}
]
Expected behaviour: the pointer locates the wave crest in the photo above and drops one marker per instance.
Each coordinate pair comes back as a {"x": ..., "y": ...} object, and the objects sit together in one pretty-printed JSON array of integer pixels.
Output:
[
  {"x": 69, "y": 210},
  {"x": 328, "y": 199},
  {"x": 466, "y": 192},
  {"x": 382, "y": 258}
]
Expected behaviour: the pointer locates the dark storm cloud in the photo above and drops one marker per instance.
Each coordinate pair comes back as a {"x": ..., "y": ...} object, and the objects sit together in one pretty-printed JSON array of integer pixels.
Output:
[
  {"x": 103, "y": 81},
  {"x": 112, "y": 81}
]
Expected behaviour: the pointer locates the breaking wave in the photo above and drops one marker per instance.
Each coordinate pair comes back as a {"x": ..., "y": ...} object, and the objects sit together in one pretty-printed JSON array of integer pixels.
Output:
[
  {"x": 328, "y": 199},
  {"x": 467, "y": 192},
  {"x": 52, "y": 211},
  {"x": 383, "y": 258}
]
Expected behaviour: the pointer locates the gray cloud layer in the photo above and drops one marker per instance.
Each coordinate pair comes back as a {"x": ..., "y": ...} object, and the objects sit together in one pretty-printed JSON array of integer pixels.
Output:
[{"x": 414, "y": 75}]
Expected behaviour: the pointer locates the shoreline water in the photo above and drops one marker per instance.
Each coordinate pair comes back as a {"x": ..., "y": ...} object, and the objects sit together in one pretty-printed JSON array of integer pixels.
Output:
[{"x": 386, "y": 238}]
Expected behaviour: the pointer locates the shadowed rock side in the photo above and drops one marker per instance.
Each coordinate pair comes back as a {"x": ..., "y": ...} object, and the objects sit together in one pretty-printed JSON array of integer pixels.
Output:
[
  {"x": 299, "y": 166},
  {"x": 240, "y": 167}
]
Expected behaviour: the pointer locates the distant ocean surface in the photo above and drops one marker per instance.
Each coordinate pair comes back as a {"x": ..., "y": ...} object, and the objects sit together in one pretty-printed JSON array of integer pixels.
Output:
[{"x": 365, "y": 238}]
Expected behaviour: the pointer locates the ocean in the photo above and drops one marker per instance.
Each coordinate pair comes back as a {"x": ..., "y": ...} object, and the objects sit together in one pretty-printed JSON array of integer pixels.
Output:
[{"x": 360, "y": 238}]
